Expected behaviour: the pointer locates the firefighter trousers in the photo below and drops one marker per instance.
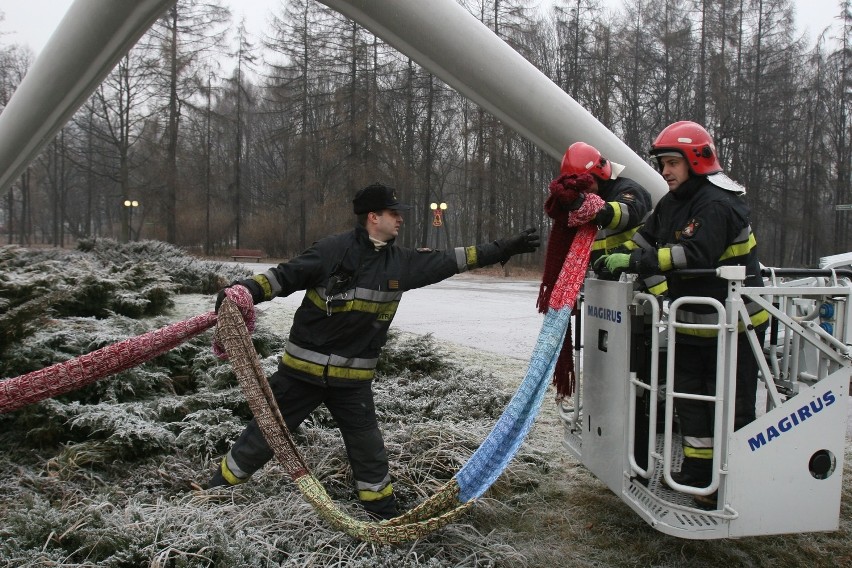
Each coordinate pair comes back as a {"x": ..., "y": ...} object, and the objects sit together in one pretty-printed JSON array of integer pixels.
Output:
[
  {"x": 695, "y": 373},
  {"x": 354, "y": 412}
]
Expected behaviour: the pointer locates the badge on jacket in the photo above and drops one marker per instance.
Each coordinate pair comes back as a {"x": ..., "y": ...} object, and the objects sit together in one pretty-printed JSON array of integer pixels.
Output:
[{"x": 691, "y": 228}]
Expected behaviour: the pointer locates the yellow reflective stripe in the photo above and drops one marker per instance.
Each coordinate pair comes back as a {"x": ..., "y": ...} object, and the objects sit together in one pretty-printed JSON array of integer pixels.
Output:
[
  {"x": 228, "y": 475},
  {"x": 614, "y": 240},
  {"x": 757, "y": 319},
  {"x": 333, "y": 371},
  {"x": 264, "y": 285},
  {"x": 616, "y": 217},
  {"x": 272, "y": 280},
  {"x": 316, "y": 299},
  {"x": 739, "y": 249},
  {"x": 621, "y": 238},
  {"x": 385, "y": 309},
  {"x": 664, "y": 258},
  {"x": 470, "y": 256},
  {"x": 697, "y": 332},
  {"x": 354, "y": 374},
  {"x": 700, "y": 453},
  {"x": 659, "y": 289},
  {"x": 367, "y": 495},
  {"x": 302, "y": 365}
]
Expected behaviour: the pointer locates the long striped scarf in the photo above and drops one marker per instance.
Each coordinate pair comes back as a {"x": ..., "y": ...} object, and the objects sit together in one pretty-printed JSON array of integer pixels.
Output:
[{"x": 567, "y": 259}]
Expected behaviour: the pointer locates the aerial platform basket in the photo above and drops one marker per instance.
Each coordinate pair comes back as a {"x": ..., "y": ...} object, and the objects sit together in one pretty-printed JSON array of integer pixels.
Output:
[{"x": 780, "y": 474}]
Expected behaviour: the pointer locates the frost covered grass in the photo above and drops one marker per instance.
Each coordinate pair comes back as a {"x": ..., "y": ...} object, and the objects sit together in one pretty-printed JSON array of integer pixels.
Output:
[{"x": 103, "y": 476}]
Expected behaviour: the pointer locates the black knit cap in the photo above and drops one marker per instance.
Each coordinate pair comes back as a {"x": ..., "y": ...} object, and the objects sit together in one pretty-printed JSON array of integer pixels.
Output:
[{"x": 375, "y": 198}]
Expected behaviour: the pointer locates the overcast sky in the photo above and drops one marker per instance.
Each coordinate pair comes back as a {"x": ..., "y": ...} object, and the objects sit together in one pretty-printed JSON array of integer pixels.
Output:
[{"x": 32, "y": 21}]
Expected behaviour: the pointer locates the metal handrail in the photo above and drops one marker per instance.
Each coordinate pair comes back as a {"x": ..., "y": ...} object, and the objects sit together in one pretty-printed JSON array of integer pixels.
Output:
[
  {"x": 653, "y": 388},
  {"x": 716, "y": 399}
]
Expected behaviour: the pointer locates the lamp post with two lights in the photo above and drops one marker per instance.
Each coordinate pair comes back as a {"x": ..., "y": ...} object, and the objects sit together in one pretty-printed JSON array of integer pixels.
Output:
[
  {"x": 438, "y": 210},
  {"x": 130, "y": 205}
]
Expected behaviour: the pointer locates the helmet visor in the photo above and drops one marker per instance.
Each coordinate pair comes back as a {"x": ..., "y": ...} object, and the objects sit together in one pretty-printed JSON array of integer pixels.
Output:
[{"x": 663, "y": 153}]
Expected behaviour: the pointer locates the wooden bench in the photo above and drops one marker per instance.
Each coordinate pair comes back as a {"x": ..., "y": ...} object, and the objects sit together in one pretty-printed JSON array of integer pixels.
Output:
[{"x": 247, "y": 254}]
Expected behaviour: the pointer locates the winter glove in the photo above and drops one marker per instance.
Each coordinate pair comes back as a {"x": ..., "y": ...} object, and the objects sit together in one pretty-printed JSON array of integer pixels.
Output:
[
  {"x": 220, "y": 297},
  {"x": 573, "y": 205},
  {"x": 528, "y": 241},
  {"x": 255, "y": 291},
  {"x": 604, "y": 217},
  {"x": 240, "y": 295},
  {"x": 615, "y": 263}
]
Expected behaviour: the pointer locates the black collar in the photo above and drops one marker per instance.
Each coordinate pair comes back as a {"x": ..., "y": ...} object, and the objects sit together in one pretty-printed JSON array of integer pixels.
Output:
[
  {"x": 689, "y": 188},
  {"x": 363, "y": 237}
]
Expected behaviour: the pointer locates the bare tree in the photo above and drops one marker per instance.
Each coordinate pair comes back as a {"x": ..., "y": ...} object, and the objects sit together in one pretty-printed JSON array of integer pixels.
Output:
[
  {"x": 121, "y": 111},
  {"x": 14, "y": 63},
  {"x": 291, "y": 85},
  {"x": 187, "y": 37}
]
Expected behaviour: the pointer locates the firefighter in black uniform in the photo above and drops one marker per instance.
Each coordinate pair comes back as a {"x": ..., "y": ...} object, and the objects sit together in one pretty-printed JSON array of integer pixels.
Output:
[
  {"x": 703, "y": 222},
  {"x": 626, "y": 202},
  {"x": 353, "y": 283}
]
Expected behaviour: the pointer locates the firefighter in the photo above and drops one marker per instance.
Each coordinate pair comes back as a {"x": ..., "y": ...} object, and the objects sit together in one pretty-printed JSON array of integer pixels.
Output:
[
  {"x": 626, "y": 202},
  {"x": 353, "y": 282},
  {"x": 703, "y": 222}
]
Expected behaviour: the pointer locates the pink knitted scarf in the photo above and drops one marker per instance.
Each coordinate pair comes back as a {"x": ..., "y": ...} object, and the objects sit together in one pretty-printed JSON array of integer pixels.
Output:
[
  {"x": 568, "y": 249},
  {"x": 68, "y": 376}
]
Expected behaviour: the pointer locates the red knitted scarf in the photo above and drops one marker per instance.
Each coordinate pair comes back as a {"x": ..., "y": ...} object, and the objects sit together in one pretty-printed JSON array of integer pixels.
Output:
[{"x": 568, "y": 249}]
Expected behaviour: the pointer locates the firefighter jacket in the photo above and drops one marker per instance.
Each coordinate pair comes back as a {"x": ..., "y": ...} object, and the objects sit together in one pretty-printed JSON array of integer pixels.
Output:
[
  {"x": 627, "y": 203},
  {"x": 352, "y": 290},
  {"x": 698, "y": 226}
]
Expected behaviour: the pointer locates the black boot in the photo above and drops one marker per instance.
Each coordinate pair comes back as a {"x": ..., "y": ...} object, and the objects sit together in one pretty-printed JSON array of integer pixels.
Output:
[
  {"x": 222, "y": 475},
  {"x": 707, "y": 502},
  {"x": 218, "y": 480},
  {"x": 382, "y": 509},
  {"x": 693, "y": 472}
]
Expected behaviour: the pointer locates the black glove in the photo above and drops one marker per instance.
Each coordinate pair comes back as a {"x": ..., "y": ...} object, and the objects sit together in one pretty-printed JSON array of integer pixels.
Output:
[
  {"x": 528, "y": 241},
  {"x": 604, "y": 217},
  {"x": 220, "y": 297},
  {"x": 576, "y": 204},
  {"x": 251, "y": 285}
]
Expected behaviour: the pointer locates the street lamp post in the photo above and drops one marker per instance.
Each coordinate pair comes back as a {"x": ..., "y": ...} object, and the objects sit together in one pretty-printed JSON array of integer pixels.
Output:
[
  {"x": 438, "y": 219},
  {"x": 131, "y": 204}
]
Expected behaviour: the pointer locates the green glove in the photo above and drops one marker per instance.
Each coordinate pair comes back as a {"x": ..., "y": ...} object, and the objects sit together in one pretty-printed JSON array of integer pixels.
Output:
[
  {"x": 617, "y": 263},
  {"x": 611, "y": 265}
]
